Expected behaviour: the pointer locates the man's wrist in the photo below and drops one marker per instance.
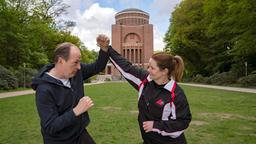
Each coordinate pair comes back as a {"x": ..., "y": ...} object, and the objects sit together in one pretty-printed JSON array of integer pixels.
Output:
[{"x": 75, "y": 112}]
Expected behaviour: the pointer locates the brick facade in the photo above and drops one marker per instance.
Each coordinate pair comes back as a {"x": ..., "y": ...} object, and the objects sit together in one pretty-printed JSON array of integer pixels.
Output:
[{"x": 132, "y": 37}]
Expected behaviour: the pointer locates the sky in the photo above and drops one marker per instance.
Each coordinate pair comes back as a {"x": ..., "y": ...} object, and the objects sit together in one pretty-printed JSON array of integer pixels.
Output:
[{"x": 93, "y": 17}]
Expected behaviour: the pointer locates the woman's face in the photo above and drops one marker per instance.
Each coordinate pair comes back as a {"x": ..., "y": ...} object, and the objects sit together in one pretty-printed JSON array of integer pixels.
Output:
[{"x": 155, "y": 72}]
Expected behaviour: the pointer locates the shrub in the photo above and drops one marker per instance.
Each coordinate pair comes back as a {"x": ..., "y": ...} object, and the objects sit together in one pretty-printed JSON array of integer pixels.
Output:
[
  {"x": 250, "y": 80},
  {"x": 7, "y": 79},
  {"x": 27, "y": 73},
  {"x": 87, "y": 80},
  {"x": 200, "y": 79},
  {"x": 3, "y": 84},
  {"x": 223, "y": 78},
  {"x": 107, "y": 79}
]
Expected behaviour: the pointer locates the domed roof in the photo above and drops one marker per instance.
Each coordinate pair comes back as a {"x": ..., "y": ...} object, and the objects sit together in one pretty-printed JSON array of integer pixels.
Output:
[{"x": 131, "y": 10}]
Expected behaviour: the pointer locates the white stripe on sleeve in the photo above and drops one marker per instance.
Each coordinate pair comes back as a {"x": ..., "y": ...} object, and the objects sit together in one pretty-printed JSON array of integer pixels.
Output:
[
  {"x": 172, "y": 135},
  {"x": 125, "y": 74}
]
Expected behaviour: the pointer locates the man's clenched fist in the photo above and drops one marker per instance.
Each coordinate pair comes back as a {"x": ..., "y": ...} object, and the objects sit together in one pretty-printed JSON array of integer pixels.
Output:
[{"x": 84, "y": 104}]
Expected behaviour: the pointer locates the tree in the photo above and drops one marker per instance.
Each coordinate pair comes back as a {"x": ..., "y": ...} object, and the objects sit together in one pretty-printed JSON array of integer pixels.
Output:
[
  {"x": 30, "y": 31},
  {"x": 186, "y": 35},
  {"x": 88, "y": 56},
  {"x": 214, "y": 36}
]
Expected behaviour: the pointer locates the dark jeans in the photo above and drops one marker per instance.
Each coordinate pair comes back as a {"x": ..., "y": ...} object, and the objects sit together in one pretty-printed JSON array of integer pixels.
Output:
[{"x": 86, "y": 138}]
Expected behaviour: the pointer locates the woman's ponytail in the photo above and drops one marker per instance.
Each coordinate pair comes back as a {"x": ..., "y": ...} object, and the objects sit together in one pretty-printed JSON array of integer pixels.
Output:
[
  {"x": 178, "y": 64},
  {"x": 174, "y": 64}
]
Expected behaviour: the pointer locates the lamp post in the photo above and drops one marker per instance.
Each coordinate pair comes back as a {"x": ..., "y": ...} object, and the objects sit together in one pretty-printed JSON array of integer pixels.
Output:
[
  {"x": 24, "y": 75},
  {"x": 245, "y": 64}
]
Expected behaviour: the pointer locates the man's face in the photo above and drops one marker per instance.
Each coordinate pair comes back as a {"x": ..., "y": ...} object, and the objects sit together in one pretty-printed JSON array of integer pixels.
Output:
[{"x": 72, "y": 65}]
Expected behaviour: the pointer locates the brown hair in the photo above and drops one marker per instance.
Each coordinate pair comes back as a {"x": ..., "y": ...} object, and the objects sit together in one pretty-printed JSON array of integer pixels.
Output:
[
  {"x": 62, "y": 50},
  {"x": 174, "y": 64}
]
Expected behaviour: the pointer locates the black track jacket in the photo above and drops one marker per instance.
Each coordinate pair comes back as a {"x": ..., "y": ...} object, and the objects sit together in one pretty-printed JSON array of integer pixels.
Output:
[{"x": 166, "y": 105}]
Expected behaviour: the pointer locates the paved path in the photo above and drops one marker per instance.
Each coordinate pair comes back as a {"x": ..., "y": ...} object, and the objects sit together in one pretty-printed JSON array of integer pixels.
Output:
[
  {"x": 238, "y": 89},
  {"x": 16, "y": 93},
  {"x": 25, "y": 92},
  {"x": 248, "y": 90}
]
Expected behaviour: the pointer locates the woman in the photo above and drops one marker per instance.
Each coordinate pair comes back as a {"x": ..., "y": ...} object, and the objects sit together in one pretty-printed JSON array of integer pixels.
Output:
[{"x": 163, "y": 108}]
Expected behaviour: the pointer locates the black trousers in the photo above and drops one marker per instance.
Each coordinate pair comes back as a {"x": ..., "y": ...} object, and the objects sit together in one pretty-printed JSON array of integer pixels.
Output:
[{"x": 85, "y": 138}]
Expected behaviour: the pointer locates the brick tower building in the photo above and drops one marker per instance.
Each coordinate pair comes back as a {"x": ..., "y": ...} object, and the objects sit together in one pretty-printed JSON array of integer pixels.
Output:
[{"x": 132, "y": 37}]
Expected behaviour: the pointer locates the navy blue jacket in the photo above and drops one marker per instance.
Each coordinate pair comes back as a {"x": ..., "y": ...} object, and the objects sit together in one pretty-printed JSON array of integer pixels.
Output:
[{"x": 55, "y": 103}]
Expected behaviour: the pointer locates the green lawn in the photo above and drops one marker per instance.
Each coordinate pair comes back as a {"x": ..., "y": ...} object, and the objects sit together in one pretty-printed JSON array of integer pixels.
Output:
[{"x": 219, "y": 117}]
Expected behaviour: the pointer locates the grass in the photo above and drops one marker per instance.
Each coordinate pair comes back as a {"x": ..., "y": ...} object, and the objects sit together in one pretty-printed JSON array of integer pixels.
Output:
[{"x": 219, "y": 117}]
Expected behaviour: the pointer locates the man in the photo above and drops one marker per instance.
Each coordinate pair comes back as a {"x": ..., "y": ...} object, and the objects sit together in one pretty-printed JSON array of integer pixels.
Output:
[{"x": 60, "y": 99}]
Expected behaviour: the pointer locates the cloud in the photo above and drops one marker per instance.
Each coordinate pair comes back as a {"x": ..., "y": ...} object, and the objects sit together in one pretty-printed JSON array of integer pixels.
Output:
[
  {"x": 160, "y": 19},
  {"x": 132, "y": 3},
  {"x": 75, "y": 6},
  {"x": 164, "y": 7},
  {"x": 161, "y": 13},
  {"x": 158, "y": 40},
  {"x": 93, "y": 21},
  {"x": 93, "y": 18}
]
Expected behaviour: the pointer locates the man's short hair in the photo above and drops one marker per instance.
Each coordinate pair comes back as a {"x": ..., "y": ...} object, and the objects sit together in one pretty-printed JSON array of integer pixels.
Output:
[{"x": 62, "y": 50}]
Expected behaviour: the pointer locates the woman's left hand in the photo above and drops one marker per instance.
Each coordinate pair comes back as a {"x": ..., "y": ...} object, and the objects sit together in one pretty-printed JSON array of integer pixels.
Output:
[{"x": 148, "y": 126}]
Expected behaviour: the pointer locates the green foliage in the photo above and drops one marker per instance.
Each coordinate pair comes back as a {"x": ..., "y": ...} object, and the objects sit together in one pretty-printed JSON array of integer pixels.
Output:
[
  {"x": 223, "y": 78},
  {"x": 88, "y": 56},
  {"x": 7, "y": 79},
  {"x": 30, "y": 31},
  {"x": 107, "y": 79},
  {"x": 24, "y": 75},
  {"x": 87, "y": 80},
  {"x": 200, "y": 79},
  {"x": 248, "y": 80},
  {"x": 214, "y": 36}
]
